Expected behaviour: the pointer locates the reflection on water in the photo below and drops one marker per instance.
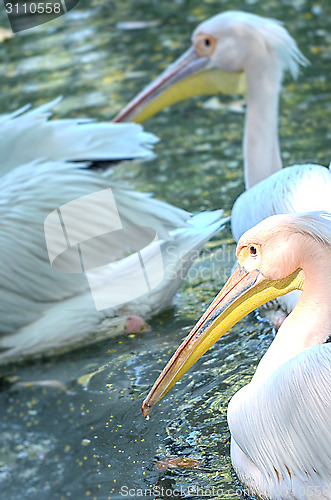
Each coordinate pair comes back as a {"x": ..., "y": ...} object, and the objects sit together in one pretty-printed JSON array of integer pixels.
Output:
[{"x": 75, "y": 440}]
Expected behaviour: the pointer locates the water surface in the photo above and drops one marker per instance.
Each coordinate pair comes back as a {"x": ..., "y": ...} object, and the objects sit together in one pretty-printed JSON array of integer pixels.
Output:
[{"x": 90, "y": 441}]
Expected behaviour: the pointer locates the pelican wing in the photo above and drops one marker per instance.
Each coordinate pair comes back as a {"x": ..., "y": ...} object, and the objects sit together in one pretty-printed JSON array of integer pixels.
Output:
[
  {"x": 30, "y": 135},
  {"x": 31, "y": 190},
  {"x": 43, "y": 310},
  {"x": 28, "y": 195},
  {"x": 282, "y": 426},
  {"x": 46, "y": 311}
]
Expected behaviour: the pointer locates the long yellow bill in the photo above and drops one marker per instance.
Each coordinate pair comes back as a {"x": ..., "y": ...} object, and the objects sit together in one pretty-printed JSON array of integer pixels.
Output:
[
  {"x": 244, "y": 292},
  {"x": 191, "y": 75}
]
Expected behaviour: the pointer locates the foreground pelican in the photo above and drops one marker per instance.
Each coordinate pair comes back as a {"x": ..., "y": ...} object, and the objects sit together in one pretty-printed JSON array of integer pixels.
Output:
[
  {"x": 280, "y": 421},
  {"x": 241, "y": 53},
  {"x": 44, "y": 311}
]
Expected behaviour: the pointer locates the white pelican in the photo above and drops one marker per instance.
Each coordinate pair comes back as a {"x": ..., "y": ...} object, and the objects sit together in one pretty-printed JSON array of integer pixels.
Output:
[
  {"x": 279, "y": 422},
  {"x": 45, "y": 311},
  {"x": 237, "y": 52}
]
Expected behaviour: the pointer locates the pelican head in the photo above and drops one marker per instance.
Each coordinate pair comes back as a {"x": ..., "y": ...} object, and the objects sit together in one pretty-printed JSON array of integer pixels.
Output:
[
  {"x": 225, "y": 50},
  {"x": 273, "y": 258}
]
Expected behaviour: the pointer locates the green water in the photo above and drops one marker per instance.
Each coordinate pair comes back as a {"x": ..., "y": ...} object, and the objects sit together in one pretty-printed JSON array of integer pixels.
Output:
[{"x": 79, "y": 442}]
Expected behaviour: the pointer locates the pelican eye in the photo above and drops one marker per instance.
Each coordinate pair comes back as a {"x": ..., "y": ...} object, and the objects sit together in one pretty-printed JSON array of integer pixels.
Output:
[
  {"x": 252, "y": 250},
  {"x": 204, "y": 45}
]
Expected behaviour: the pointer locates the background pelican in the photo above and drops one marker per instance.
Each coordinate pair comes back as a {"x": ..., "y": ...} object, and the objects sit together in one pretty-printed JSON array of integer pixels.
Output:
[
  {"x": 279, "y": 422},
  {"x": 237, "y": 52},
  {"x": 42, "y": 310}
]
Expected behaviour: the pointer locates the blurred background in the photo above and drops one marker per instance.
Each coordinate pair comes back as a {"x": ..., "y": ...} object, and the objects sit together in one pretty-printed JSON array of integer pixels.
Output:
[{"x": 82, "y": 435}]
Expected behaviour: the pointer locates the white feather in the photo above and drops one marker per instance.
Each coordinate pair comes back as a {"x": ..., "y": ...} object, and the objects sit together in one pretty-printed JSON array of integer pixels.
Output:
[
  {"x": 293, "y": 189},
  {"x": 289, "y": 456},
  {"x": 43, "y": 310}
]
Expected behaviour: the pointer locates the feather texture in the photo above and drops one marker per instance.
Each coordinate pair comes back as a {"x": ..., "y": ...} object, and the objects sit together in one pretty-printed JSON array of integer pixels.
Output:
[
  {"x": 42, "y": 310},
  {"x": 293, "y": 189},
  {"x": 290, "y": 455}
]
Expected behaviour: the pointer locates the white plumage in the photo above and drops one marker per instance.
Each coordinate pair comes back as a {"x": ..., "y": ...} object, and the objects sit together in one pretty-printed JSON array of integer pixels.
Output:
[
  {"x": 290, "y": 452},
  {"x": 42, "y": 310},
  {"x": 288, "y": 400},
  {"x": 293, "y": 189}
]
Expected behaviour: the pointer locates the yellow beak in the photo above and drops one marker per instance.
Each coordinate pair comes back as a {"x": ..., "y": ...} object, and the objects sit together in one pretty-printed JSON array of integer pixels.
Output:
[
  {"x": 191, "y": 75},
  {"x": 244, "y": 292}
]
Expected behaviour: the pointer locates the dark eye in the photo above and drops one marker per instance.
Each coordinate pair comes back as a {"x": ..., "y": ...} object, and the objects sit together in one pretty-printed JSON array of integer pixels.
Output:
[
  {"x": 252, "y": 251},
  {"x": 207, "y": 42}
]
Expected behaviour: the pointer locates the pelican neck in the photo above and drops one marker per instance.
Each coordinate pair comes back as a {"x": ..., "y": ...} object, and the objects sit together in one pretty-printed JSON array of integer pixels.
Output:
[
  {"x": 261, "y": 144},
  {"x": 309, "y": 324}
]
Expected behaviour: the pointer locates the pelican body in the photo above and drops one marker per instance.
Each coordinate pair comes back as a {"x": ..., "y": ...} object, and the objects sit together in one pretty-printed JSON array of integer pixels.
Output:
[
  {"x": 279, "y": 422},
  {"x": 44, "y": 311}
]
